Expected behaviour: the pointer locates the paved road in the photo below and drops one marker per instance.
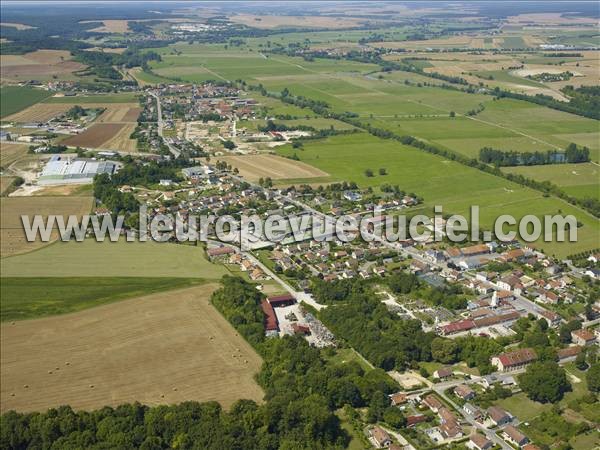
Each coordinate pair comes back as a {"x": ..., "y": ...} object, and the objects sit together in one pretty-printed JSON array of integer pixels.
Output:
[{"x": 174, "y": 151}]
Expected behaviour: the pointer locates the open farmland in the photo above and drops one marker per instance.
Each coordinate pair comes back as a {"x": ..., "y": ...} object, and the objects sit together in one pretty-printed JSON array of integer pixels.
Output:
[
  {"x": 440, "y": 182},
  {"x": 5, "y": 183},
  {"x": 95, "y": 136},
  {"x": 111, "y": 130},
  {"x": 121, "y": 141},
  {"x": 9, "y": 153},
  {"x": 41, "y": 64},
  {"x": 122, "y": 97},
  {"x": 196, "y": 63},
  {"x": 163, "y": 348},
  {"x": 40, "y": 112},
  {"x": 579, "y": 180},
  {"x": 425, "y": 113},
  {"x": 30, "y": 298},
  {"x": 13, "y": 239},
  {"x": 277, "y": 21},
  {"x": 18, "y": 26},
  {"x": 253, "y": 167},
  {"x": 110, "y": 26},
  {"x": 116, "y": 112},
  {"x": 113, "y": 259},
  {"x": 15, "y": 98}
]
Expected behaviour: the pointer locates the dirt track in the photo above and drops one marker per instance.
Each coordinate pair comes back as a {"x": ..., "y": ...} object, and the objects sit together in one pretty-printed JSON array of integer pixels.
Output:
[{"x": 159, "y": 349}]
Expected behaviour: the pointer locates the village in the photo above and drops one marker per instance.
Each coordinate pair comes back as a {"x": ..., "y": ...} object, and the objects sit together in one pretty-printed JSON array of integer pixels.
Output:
[
  {"x": 499, "y": 284},
  {"x": 503, "y": 284}
]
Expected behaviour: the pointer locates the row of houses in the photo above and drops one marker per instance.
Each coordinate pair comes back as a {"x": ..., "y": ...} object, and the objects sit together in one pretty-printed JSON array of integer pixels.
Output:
[{"x": 450, "y": 427}]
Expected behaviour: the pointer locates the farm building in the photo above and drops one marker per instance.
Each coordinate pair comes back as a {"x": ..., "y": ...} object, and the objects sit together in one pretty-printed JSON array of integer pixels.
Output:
[
  {"x": 281, "y": 300},
  {"x": 60, "y": 170},
  {"x": 271, "y": 324}
]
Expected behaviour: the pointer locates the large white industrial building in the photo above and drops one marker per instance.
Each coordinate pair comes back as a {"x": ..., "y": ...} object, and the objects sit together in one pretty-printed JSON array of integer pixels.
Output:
[{"x": 66, "y": 170}]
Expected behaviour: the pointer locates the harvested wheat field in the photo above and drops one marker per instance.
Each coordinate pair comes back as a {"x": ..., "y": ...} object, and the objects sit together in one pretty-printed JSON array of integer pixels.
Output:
[
  {"x": 158, "y": 349},
  {"x": 95, "y": 136},
  {"x": 118, "y": 112},
  {"x": 121, "y": 141},
  {"x": 253, "y": 167},
  {"x": 12, "y": 236},
  {"x": 42, "y": 63},
  {"x": 49, "y": 56},
  {"x": 9, "y": 153},
  {"x": 5, "y": 183},
  {"x": 40, "y": 112}
]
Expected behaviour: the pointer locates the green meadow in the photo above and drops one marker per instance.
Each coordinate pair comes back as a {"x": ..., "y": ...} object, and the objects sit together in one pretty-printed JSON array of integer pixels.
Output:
[
  {"x": 440, "y": 182},
  {"x": 89, "y": 273},
  {"x": 507, "y": 77},
  {"x": 196, "y": 63},
  {"x": 579, "y": 180}
]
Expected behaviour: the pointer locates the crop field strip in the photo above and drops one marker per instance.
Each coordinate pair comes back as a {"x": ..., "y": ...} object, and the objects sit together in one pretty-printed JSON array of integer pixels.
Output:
[
  {"x": 12, "y": 236},
  {"x": 15, "y": 99},
  {"x": 109, "y": 131},
  {"x": 39, "y": 64},
  {"x": 253, "y": 167},
  {"x": 95, "y": 136},
  {"x": 109, "y": 259},
  {"x": 40, "y": 112},
  {"x": 11, "y": 152}
]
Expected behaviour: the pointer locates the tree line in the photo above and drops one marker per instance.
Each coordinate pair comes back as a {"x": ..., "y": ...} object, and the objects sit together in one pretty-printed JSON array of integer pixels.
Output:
[{"x": 501, "y": 158}]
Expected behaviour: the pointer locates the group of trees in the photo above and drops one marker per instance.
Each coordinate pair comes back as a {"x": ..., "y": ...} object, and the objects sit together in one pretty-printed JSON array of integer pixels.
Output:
[
  {"x": 385, "y": 339},
  {"x": 501, "y": 158},
  {"x": 106, "y": 187},
  {"x": 102, "y": 63},
  {"x": 110, "y": 196},
  {"x": 544, "y": 381},
  {"x": 360, "y": 319},
  {"x": 75, "y": 112},
  {"x": 151, "y": 172}
]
